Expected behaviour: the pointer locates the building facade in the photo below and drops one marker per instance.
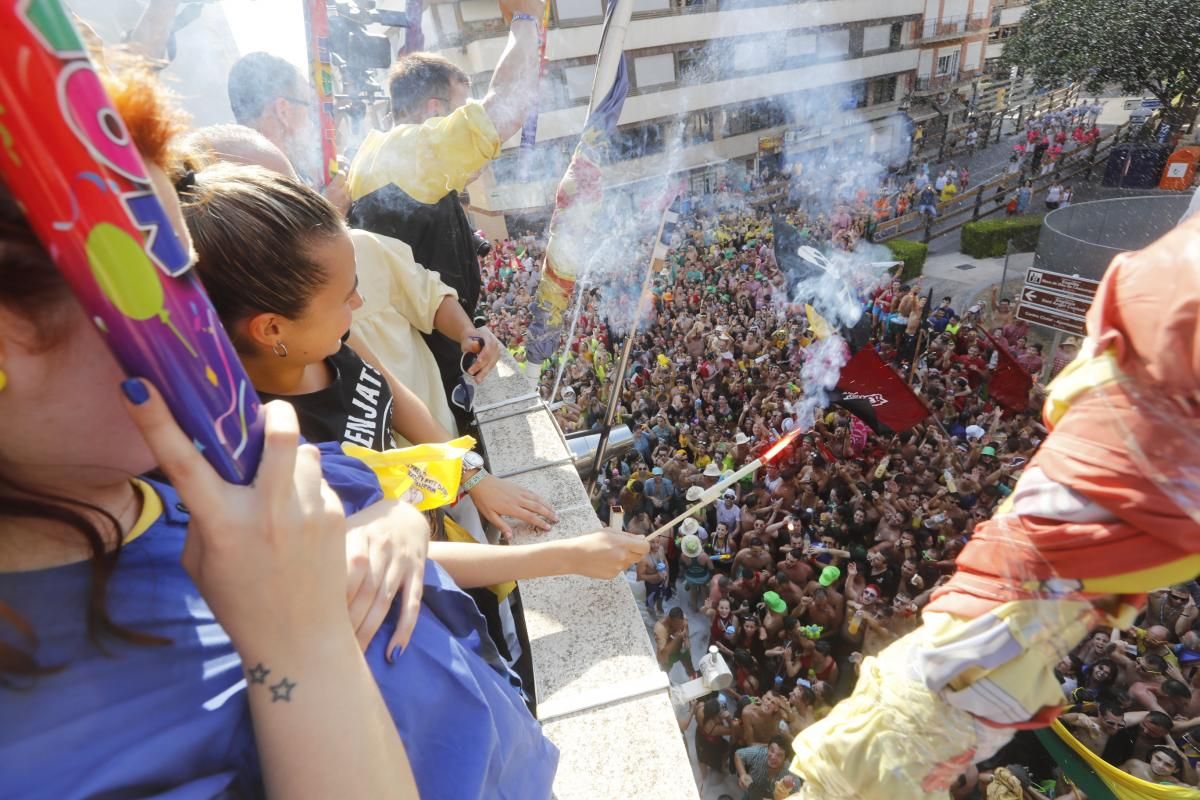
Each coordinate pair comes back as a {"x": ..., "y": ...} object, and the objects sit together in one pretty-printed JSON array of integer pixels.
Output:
[{"x": 713, "y": 84}]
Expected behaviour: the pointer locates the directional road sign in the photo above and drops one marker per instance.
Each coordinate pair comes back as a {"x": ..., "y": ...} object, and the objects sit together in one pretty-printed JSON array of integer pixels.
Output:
[
  {"x": 1071, "y": 305},
  {"x": 1055, "y": 300},
  {"x": 1058, "y": 282},
  {"x": 1049, "y": 318}
]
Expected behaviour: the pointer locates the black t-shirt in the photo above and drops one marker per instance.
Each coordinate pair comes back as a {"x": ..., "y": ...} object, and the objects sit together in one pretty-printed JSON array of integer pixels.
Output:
[{"x": 356, "y": 408}]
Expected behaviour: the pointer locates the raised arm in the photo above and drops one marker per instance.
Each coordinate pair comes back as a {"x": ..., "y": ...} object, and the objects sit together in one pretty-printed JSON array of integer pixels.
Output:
[{"x": 514, "y": 87}]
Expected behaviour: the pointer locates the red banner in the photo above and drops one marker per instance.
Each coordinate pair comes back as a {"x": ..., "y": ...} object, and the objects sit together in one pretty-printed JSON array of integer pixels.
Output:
[
  {"x": 1010, "y": 383},
  {"x": 866, "y": 376}
]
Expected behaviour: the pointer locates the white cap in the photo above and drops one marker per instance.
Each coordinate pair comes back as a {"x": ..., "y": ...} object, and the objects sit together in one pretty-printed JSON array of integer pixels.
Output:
[
  {"x": 694, "y": 493},
  {"x": 974, "y": 432},
  {"x": 729, "y": 493}
]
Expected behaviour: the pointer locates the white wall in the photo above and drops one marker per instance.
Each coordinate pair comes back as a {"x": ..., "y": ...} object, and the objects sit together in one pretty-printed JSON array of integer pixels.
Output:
[
  {"x": 651, "y": 5},
  {"x": 954, "y": 8},
  {"x": 1011, "y": 16},
  {"x": 479, "y": 10},
  {"x": 876, "y": 37},
  {"x": 654, "y": 70},
  {"x": 970, "y": 59}
]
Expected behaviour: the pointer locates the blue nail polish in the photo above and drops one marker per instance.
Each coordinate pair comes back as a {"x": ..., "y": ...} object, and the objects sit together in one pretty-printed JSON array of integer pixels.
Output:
[
  {"x": 395, "y": 653},
  {"x": 135, "y": 390}
]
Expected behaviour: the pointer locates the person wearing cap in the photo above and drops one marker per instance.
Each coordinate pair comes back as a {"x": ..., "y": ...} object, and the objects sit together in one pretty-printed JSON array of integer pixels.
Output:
[
  {"x": 729, "y": 513},
  {"x": 660, "y": 491},
  {"x": 693, "y": 563}
]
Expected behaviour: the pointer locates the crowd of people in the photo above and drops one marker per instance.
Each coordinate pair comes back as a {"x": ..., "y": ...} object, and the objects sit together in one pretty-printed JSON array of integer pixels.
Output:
[
  {"x": 314, "y": 634},
  {"x": 831, "y": 551}
]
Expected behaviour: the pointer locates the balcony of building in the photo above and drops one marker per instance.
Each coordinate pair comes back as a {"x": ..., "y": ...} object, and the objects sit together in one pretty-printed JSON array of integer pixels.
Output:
[{"x": 944, "y": 29}]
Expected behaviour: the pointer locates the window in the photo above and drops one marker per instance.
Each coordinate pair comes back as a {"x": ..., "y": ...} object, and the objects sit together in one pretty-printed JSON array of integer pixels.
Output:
[
  {"x": 947, "y": 65},
  {"x": 883, "y": 90},
  {"x": 698, "y": 128},
  {"x": 800, "y": 45},
  {"x": 895, "y": 35},
  {"x": 750, "y": 57},
  {"x": 697, "y": 65},
  {"x": 856, "y": 96},
  {"x": 579, "y": 80},
  {"x": 654, "y": 70},
  {"x": 834, "y": 43},
  {"x": 753, "y": 117},
  {"x": 636, "y": 141}
]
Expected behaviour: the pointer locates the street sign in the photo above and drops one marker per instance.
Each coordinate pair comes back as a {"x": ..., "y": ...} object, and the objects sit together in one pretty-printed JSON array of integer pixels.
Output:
[
  {"x": 1051, "y": 318},
  {"x": 1073, "y": 305},
  {"x": 1058, "y": 282}
]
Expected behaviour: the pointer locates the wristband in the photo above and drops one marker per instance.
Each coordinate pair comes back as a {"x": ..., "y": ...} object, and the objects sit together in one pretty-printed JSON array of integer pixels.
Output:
[
  {"x": 522, "y": 15},
  {"x": 473, "y": 481}
]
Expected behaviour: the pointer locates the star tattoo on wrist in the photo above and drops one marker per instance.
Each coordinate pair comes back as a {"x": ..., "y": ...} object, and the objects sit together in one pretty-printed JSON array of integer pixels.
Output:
[
  {"x": 258, "y": 673},
  {"x": 282, "y": 691}
]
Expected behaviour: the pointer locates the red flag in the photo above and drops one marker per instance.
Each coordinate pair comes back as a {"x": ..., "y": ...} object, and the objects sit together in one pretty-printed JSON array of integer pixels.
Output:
[
  {"x": 866, "y": 376},
  {"x": 1010, "y": 383}
]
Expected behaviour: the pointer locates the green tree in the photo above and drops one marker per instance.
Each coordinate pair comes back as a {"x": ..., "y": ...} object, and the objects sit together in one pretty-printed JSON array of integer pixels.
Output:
[{"x": 1142, "y": 46}]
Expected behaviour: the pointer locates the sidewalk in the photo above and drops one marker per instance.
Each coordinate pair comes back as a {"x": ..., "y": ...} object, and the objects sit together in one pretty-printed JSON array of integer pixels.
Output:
[{"x": 963, "y": 279}]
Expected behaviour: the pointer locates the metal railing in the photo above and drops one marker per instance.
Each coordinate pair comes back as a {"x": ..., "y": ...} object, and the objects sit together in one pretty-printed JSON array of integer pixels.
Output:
[
  {"x": 950, "y": 26},
  {"x": 936, "y": 82},
  {"x": 991, "y": 197}
]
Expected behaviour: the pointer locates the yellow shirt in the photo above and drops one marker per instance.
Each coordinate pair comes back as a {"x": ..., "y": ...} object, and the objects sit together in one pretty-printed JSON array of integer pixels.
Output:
[
  {"x": 426, "y": 160},
  {"x": 400, "y": 299}
]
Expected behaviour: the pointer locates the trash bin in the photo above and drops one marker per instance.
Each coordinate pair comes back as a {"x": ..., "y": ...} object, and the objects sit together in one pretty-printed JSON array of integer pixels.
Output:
[
  {"x": 1136, "y": 166},
  {"x": 1180, "y": 169}
]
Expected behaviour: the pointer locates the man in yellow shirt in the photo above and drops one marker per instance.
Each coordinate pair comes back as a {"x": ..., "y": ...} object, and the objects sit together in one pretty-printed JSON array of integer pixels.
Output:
[{"x": 404, "y": 183}]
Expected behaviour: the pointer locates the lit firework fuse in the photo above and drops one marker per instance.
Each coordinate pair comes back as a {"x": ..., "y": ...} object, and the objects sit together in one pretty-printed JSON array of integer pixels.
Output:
[
  {"x": 316, "y": 21},
  {"x": 67, "y": 158},
  {"x": 573, "y": 235},
  {"x": 1106, "y": 511}
]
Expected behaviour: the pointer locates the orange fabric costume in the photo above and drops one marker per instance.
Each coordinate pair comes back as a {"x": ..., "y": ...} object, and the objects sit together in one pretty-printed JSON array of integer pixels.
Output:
[{"x": 1106, "y": 511}]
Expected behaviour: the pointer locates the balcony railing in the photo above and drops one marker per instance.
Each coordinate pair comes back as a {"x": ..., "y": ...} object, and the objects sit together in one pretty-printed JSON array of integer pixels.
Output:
[
  {"x": 937, "y": 82},
  {"x": 950, "y": 26}
]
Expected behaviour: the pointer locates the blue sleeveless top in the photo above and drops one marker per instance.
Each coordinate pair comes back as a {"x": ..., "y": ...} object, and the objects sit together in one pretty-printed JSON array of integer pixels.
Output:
[{"x": 172, "y": 721}]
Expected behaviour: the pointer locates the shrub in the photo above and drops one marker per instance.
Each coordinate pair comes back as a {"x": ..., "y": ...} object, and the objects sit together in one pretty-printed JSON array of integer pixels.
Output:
[
  {"x": 913, "y": 255},
  {"x": 986, "y": 238}
]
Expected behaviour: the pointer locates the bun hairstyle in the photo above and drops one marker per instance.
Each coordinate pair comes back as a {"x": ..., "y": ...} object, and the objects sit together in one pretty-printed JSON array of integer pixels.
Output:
[
  {"x": 31, "y": 286},
  {"x": 252, "y": 229}
]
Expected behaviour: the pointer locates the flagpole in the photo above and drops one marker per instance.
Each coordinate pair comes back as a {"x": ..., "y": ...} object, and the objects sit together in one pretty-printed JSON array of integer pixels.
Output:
[{"x": 618, "y": 381}]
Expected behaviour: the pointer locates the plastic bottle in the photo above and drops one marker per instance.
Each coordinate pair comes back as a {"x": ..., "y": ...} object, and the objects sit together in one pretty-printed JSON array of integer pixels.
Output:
[
  {"x": 856, "y": 623},
  {"x": 949, "y": 478},
  {"x": 882, "y": 468}
]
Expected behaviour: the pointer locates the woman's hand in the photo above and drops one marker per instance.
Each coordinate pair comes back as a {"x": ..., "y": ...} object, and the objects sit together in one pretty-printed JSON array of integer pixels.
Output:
[
  {"x": 268, "y": 558},
  {"x": 497, "y": 498},
  {"x": 385, "y": 554},
  {"x": 605, "y": 554}
]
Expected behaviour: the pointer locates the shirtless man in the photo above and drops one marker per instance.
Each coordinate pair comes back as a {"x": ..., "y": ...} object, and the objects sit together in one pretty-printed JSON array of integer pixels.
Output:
[
  {"x": 783, "y": 585},
  {"x": 1165, "y": 766},
  {"x": 760, "y": 721},
  {"x": 796, "y": 568},
  {"x": 1095, "y": 731},
  {"x": 671, "y": 638},
  {"x": 751, "y": 559},
  {"x": 823, "y": 607}
]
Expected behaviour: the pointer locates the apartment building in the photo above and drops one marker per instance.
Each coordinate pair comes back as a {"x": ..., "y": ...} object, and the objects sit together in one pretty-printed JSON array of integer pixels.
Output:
[
  {"x": 953, "y": 40},
  {"x": 713, "y": 82}
]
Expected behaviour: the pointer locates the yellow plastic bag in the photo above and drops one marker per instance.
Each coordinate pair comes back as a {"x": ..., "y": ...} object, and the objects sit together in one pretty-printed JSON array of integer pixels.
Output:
[{"x": 425, "y": 475}]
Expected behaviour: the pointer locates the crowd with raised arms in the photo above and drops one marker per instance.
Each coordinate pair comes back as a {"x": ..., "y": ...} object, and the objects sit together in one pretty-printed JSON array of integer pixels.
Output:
[{"x": 830, "y": 552}]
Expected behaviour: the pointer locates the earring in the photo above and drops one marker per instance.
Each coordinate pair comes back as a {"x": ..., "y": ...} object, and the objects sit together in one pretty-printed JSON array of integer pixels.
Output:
[
  {"x": 280, "y": 349},
  {"x": 3, "y": 380}
]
